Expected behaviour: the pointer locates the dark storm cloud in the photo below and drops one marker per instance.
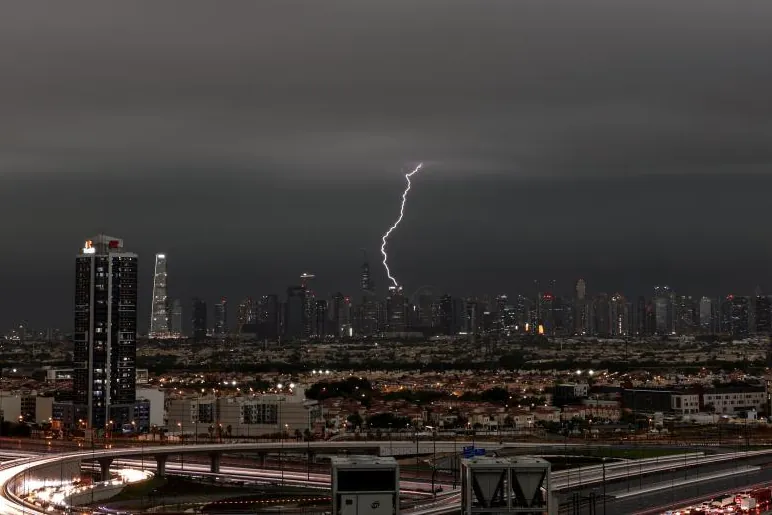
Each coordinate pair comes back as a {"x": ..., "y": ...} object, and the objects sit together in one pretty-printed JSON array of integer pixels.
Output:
[{"x": 277, "y": 129}]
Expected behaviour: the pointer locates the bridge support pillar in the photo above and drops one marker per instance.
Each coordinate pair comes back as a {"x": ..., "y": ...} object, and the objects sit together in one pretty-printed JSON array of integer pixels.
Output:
[
  {"x": 160, "y": 464},
  {"x": 214, "y": 465},
  {"x": 104, "y": 468}
]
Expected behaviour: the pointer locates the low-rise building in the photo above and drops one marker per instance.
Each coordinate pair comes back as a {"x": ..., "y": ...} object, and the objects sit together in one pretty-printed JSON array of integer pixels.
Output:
[
  {"x": 240, "y": 415},
  {"x": 685, "y": 403},
  {"x": 733, "y": 399}
]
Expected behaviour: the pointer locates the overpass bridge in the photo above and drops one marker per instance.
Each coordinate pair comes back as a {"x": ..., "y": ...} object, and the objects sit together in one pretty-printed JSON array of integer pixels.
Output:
[
  {"x": 17, "y": 473},
  {"x": 52, "y": 466}
]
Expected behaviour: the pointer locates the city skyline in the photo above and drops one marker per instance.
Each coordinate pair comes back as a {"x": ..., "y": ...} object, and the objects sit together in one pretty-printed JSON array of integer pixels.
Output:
[
  {"x": 553, "y": 147},
  {"x": 177, "y": 307},
  {"x": 436, "y": 257}
]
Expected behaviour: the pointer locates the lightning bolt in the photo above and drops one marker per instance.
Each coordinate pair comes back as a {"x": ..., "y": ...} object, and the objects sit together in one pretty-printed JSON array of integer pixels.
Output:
[{"x": 399, "y": 219}]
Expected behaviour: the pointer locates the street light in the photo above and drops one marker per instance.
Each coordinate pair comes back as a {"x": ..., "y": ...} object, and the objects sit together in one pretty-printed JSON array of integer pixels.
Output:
[
  {"x": 281, "y": 454},
  {"x": 604, "y": 486},
  {"x": 434, "y": 458}
]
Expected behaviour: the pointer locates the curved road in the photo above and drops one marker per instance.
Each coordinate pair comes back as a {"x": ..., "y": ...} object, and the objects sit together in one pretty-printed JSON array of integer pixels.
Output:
[{"x": 10, "y": 504}]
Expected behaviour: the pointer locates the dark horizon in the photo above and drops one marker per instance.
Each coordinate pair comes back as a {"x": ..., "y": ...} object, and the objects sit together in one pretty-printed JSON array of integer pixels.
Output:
[{"x": 624, "y": 144}]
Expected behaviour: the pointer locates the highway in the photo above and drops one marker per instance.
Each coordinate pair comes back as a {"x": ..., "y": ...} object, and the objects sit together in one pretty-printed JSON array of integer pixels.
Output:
[
  {"x": 382, "y": 447},
  {"x": 10, "y": 504},
  {"x": 583, "y": 479}
]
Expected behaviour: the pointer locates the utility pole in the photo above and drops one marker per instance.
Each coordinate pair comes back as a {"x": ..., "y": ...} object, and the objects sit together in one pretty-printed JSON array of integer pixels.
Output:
[{"x": 604, "y": 486}]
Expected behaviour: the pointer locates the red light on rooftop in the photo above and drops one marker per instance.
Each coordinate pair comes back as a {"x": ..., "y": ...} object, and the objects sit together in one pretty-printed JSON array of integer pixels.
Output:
[{"x": 114, "y": 244}]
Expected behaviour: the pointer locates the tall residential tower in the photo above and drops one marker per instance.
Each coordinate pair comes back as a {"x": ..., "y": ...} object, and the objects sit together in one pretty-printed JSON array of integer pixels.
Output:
[
  {"x": 159, "y": 318},
  {"x": 105, "y": 333}
]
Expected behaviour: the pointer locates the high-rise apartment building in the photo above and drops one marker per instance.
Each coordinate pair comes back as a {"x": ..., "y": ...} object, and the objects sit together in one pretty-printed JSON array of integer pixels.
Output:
[
  {"x": 221, "y": 318},
  {"x": 581, "y": 315},
  {"x": 198, "y": 319},
  {"x": 268, "y": 316},
  {"x": 619, "y": 315},
  {"x": 246, "y": 317},
  {"x": 176, "y": 319},
  {"x": 664, "y": 310},
  {"x": 448, "y": 323},
  {"x": 342, "y": 319},
  {"x": 763, "y": 312},
  {"x": 105, "y": 333},
  {"x": 706, "y": 314},
  {"x": 396, "y": 310},
  {"x": 321, "y": 319},
  {"x": 601, "y": 319},
  {"x": 337, "y": 314},
  {"x": 367, "y": 322},
  {"x": 739, "y": 312},
  {"x": 295, "y": 320},
  {"x": 159, "y": 317}
]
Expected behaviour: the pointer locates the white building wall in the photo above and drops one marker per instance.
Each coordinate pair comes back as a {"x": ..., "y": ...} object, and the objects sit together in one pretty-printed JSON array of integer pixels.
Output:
[
  {"x": 10, "y": 405},
  {"x": 44, "y": 409},
  {"x": 156, "y": 398}
]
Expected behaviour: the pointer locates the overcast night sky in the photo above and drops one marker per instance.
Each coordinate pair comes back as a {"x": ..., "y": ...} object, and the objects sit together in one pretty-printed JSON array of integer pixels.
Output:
[{"x": 624, "y": 142}]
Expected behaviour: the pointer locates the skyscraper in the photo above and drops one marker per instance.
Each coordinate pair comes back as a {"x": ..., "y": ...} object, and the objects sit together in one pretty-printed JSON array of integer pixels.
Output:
[
  {"x": 246, "y": 316},
  {"x": 619, "y": 315},
  {"x": 221, "y": 318},
  {"x": 159, "y": 317},
  {"x": 321, "y": 319},
  {"x": 105, "y": 333},
  {"x": 641, "y": 327},
  {"x": 448, "y": 322},
  {"x": 581, "y": 289},
  {"x": 198, "y": 319},
  {"x": 367, "y": 311},
  {"x": 337, "y": 314},
  {"x": 396, "y": 310},
  {"x": 739, "y": 316},
  {"x": 295, "y": 320},
  {"x": 310, "y": 303},
  {"x": 581, "y": 317},
  {"x": 342, "y": 323},
  {"x": 366, "y": 282},
  {"x": 763, "y": 314},
  {"x": 706, "y": 314},
  {"x": 268, "y": 317},
  {"x": 176, "y": 319},
  {"x": 664, "y": 309},
  {"x": 601, "y": 320}
]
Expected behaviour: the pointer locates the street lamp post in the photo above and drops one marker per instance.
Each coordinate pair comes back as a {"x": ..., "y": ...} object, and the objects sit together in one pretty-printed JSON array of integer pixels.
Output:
[
  {"x": 604, "y": 486},
  {"x": 434, "y": 460},
  {"x": 281, "y": 455},
  {"x": 308, "y": 457},
  {"x": 417, "y": 462}
]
